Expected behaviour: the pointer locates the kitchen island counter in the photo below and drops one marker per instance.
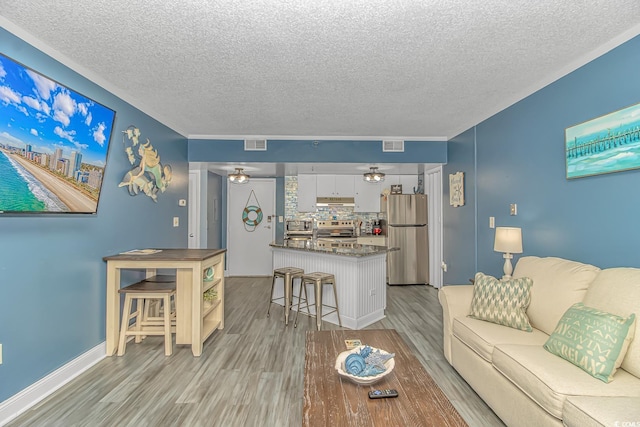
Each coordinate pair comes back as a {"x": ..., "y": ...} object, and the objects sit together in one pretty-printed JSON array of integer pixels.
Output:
[
  {"x": 360, "y": 274},
  {"x": 312, "y": 246}
]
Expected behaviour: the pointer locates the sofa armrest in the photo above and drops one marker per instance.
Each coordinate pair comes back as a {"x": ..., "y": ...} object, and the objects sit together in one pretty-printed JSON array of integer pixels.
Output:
[{"x": 456, "y": 302}]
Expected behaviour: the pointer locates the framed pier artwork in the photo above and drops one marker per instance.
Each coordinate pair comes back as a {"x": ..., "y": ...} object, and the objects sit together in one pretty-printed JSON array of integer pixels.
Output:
[{"x": 606, "y": 144}]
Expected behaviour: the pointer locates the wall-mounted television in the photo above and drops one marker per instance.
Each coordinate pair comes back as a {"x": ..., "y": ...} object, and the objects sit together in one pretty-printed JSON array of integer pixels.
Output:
[{"x": 53, "y": 144}]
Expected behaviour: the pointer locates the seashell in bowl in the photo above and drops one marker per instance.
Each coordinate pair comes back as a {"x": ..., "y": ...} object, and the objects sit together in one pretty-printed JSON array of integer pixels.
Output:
[{"x": 351, "y": 363}]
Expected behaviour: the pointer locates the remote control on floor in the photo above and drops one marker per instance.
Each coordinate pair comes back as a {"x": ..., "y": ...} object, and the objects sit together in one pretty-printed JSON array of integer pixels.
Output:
[{"x": 379, "y": 394}]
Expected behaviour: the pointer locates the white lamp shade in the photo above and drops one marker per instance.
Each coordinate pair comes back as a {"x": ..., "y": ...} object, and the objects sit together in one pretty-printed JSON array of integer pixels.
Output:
[{"x": 508, "y": 240}]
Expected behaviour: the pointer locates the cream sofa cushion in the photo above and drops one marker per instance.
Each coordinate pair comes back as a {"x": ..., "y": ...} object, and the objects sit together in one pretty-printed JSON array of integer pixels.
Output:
[
  {"x": 481, "y": 336},
  {"x": 598, "y": 411},
  {"x": 617, "y": 290},
  {"x": 557, "y": 285},
  {"x": 548, "y": 380}
]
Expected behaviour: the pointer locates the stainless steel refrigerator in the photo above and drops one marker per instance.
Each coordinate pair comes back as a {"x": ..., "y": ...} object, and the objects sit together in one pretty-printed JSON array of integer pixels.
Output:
[{"x": 406, "y": 229}]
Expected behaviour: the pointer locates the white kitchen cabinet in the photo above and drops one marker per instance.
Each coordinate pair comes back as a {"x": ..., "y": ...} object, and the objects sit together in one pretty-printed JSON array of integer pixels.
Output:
[
  {"x": 335, "y": 185},
  {"x": 367, "y": 196},
  {"x": 307, "y": 193}
]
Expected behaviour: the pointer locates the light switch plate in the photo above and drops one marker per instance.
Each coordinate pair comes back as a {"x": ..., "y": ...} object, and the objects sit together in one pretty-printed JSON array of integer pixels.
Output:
[
  {"x": 176, "y": 221},
  {"x": 492, "y": 222},
  {"x": 513, "y": 209}
]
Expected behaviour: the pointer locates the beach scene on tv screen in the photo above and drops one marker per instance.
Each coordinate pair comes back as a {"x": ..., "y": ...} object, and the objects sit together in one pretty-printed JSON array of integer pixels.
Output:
[{"x": 53, "y": 144}]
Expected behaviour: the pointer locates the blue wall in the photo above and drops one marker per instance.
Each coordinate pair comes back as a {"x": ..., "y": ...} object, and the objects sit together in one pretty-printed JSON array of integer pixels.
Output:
[
  {"x": 459, "y": 253},
  {"x": 519, "y": 158},
  {"x": 288, "y": 151},
  {"x": 53, "y": 279}
]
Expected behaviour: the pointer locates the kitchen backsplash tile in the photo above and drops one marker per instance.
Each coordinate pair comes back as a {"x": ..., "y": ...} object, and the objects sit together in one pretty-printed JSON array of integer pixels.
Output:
[{"x": 342, "y": 212}]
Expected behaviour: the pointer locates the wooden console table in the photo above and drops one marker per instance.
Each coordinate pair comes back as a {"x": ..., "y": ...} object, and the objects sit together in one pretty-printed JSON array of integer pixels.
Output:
[
  {"x": 195, "y": 318},
  {"x": 330, "y": 400}
]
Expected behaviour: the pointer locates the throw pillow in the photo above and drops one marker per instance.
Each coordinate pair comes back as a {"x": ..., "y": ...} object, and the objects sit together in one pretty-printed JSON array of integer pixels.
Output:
[
  {"x": 593, "y": 340},
  {"x": 503, "y": 302}
]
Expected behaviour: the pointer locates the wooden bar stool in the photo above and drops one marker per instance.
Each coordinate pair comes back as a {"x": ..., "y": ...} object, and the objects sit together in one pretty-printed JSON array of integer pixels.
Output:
[
  {"x": 145, "y": 293},
  {"x": 318, "y": 280},
  {"x": 287, "y": 274}
]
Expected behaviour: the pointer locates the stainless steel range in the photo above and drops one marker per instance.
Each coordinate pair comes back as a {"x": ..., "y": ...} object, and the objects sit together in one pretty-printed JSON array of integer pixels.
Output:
[
  {"x": 336, "y": 243},
  {"x": 335, "y": 233}
]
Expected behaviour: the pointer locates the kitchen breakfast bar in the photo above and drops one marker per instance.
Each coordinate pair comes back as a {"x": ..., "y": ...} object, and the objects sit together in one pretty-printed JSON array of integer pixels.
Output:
[{"x": 360, "y": 272}]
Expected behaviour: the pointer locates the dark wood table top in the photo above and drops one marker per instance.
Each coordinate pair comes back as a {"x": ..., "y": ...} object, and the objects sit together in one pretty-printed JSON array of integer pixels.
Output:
[
  {"x": 330, "y": 400},
  {"x": 168, "y": 255}
]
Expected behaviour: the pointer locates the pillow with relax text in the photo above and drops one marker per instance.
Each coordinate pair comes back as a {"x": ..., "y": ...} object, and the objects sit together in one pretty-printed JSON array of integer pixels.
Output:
[
  {"x": 593, "y": 340},
  {"x": 503, "y": 302}
]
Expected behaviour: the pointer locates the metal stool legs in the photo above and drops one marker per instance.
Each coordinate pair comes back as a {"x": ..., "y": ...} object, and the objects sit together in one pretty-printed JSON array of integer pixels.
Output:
[
  {"x": 319, "y": 280},
  {"x": 288, "y": 274}
]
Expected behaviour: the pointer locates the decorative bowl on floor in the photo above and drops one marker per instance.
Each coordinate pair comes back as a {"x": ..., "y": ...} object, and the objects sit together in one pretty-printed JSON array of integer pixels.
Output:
[{"x": 363, "y": 380}]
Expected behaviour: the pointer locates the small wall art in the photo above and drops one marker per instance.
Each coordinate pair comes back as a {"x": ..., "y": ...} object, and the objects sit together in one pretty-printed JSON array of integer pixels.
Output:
[
  {"x": 456, "y": 189},
  {"x": 148, "y": 175},
  {"x": 606, "y": 144}
]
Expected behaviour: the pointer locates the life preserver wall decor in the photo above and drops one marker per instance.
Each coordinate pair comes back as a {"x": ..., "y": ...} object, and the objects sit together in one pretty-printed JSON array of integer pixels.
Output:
[
  {"x": 252, "y": 222},
  {"x": 252, "y": 213}
]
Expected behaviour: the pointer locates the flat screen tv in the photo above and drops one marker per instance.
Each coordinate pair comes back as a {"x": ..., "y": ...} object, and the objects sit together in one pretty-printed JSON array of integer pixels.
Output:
[{"x": 53, "y": 144}]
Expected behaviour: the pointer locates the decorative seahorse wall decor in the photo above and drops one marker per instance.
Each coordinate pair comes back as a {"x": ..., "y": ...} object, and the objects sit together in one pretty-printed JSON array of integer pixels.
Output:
[{"x": 148, "y": 175}]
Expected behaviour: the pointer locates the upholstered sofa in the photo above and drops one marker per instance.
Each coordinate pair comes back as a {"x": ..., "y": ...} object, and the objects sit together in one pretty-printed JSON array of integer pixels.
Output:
[{"x": 524, "y": 383}]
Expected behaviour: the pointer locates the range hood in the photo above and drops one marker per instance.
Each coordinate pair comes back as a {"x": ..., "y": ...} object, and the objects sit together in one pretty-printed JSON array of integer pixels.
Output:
[{"x": 335, "y": 201}]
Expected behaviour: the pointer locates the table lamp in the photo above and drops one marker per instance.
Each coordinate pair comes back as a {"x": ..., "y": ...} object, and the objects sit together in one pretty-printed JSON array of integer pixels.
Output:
[{"x": 509, "y": 241}]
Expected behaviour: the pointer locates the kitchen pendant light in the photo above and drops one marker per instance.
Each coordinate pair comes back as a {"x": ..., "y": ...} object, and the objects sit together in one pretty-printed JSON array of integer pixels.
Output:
[
  {"x": 238, "y": 177},
  {"x": 373, "y": 175}
]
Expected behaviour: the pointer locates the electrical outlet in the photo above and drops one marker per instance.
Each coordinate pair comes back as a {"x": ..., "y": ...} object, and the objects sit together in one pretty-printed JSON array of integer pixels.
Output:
[
  {"x": 176, "y": 221},
  {"x": 444, "y": 266}
]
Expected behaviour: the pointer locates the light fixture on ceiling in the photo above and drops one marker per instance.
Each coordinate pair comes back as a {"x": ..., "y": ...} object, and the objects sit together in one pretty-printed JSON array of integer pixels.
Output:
[
  {"x": 373, "y": 175},
  {"x": 238, "y": 177}
]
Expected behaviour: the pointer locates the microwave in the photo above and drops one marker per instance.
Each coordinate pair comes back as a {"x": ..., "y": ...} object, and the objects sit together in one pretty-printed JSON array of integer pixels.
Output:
[{"x": 299, "y": 225}]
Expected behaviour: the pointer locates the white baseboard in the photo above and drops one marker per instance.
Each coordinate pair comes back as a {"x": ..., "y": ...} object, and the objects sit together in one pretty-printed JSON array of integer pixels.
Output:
[{"x": 30, "y": 396}]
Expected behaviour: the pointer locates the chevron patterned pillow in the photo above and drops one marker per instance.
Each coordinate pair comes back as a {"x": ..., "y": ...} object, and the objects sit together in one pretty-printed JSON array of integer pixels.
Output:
[
  {"x": 593, "y": 340},
  {"x": 503, "y": 302}
]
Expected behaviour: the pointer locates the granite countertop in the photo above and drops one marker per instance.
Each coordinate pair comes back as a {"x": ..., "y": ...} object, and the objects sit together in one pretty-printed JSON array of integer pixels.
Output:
[{"x": 312, "y": 246}]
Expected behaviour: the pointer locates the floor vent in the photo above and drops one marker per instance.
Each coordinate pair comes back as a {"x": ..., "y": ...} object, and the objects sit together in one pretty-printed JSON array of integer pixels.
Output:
[
  {"x": 393, "y": 145},
  {"x": 255, "y": 145}
]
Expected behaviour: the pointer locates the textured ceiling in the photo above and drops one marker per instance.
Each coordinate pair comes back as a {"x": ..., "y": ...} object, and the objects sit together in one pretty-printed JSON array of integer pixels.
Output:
[{"x": 354, "y": 68}]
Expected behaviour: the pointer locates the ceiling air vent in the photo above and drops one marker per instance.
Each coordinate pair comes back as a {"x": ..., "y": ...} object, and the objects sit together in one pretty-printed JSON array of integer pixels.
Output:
[
  {"x": 255, "y": 145},
  {"x": 393, "y": 145}
]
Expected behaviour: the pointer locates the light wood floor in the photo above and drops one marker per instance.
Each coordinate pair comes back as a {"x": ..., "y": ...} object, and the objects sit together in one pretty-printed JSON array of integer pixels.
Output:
[{"x": 249, "y": 374}]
